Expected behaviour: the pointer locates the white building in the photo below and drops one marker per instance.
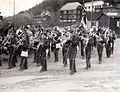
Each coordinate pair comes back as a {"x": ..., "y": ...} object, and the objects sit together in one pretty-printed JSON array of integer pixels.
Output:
[{"x": 95, "y": 4}]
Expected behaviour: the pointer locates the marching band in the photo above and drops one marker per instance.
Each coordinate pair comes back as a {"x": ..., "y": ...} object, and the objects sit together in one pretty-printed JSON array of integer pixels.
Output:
[{"x": 43, "y": 41}]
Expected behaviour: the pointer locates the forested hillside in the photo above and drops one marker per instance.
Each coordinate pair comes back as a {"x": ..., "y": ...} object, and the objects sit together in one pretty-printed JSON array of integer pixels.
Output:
[{"x": 25, "y": 17}]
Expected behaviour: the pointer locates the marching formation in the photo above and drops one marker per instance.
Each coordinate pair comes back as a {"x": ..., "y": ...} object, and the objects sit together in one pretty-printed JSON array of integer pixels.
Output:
[{"x": 42, "y": 42}]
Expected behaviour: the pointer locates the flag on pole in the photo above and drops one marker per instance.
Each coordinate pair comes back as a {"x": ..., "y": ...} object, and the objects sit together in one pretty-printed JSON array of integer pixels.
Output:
[{"x": 84, "y": 22}]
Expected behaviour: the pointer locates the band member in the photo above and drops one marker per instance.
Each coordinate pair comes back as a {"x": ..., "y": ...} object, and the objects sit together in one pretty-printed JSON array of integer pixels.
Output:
[
  {"x": 37, "y": 37},
  {"x": 24, "y": 51},
  {"x": 49, "y": 42},
  {"x": 55, "y": 44},
  {"x": 11, "y": 44},
  {"x": 88, "y": 49},
  {"x": 82, "y": 44},
  {"x": 45, "y": 46},
  {"x": 0, "y": 50},
  {"x": 112, "y": 40},
  {"x": 41, "y": 53},
  {"x": 108, "y": 48},
  {"x": 65, "y": 50},
  {"x": 99, "y": 44},
  {"x": 108, "y": 43},
  {"x": 73, "y": 52}
]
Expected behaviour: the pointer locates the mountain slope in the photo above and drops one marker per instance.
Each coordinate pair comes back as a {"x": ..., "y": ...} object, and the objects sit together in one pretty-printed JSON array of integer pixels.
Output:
[{"x": 25, "y": 17}]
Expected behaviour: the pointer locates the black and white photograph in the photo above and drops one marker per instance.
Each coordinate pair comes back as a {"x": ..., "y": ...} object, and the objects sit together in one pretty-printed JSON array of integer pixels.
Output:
[{"x": 59, "y": 45}]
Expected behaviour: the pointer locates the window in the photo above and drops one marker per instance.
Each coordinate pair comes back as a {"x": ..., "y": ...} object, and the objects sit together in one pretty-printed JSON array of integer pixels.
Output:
[
  {"x": 60, "y": 16},
  {"x": 75, "y": 11},
  {"x": 65, "y": 17},
  {"x": 65, "y": 12},
  {"x": 72, "y": 17},
  {"x": 71, "y": 12},
  {"x": 94, "y": 23},
  {"x": 78, "y": 11},
  {"x": 118, "y": 23},
  {"x": 62, "y": 12}
]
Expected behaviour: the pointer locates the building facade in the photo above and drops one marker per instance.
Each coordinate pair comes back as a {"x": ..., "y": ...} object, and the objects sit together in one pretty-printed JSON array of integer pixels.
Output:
[
  {"x": 71, "y": 12},
  {"x": 92, "y": 6},
  {"x": 42, "y": 19},
  {"x": 92, "y": 19}
]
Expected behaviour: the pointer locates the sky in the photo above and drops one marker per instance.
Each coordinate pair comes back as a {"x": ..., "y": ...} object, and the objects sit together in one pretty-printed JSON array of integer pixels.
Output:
[{"x": 7, "y": 6}]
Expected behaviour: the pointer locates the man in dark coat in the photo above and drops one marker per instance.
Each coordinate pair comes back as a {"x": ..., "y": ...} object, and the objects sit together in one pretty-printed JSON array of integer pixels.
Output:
[
  {"x": 44, "y": 44},
  {"x": 12, "y": 52},
  {"x": 74, "y": 41}
]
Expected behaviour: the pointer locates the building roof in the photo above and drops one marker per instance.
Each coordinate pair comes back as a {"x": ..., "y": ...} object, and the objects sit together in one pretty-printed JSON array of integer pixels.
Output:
[
  {"x": 71, "y": 6},
  {"x": 95, "y": 15},
  {"x": 115, "y": 15},
  {"x": 95, "y": 3},
  {"x": 43, "y": 14}
]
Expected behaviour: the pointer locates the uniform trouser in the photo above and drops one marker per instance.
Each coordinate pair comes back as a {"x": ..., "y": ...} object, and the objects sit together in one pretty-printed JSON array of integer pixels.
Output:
[
  {"x": 112, "y": 47},
  {"x": 12, "y": 60},
  {"x": 44, "y": 61},
  {"x": 49, "y": 53},
  {"x": 35, "y": 56},
  {"x": 56, "y": 54},
  {"x": 0, "y": 62},
  {"x": 82, "y": 49},
  {"x": 23, "y": 64},
  {"x": 88, "y": 57},
  {"x": 44, "y": 65},
  {"x": 100, "y": 50},
  {"x": 38, "y": 58},
  {"x": 72, "y": 56},
  {"x": 64, "y": 53},
  {"x": 15, "y": 56},
  {"x": 108, "y": 49}
]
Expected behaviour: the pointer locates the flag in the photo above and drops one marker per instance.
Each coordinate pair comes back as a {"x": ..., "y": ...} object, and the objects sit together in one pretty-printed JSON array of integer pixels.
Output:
[{"x": 84, "y": 22}]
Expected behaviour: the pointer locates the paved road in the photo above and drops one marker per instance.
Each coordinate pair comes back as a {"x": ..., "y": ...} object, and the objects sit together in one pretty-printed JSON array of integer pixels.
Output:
[{"x": 103, "y": 77}]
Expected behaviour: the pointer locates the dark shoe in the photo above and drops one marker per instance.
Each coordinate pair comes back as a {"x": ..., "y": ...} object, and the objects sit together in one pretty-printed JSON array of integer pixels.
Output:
[
  {"x": 65, "y": 65},
  {"x": 71, "y": 73},
  {"x": 99, "y": 62},
  {"x": 42, "y": 70},
  {"x": 56, "y": 61},
  {"x": 9, "y": 68},
  {"x": 21, "y": 69},
  {"x": 37, "y": 65},
  {"x": 87, "y": 68},
  {"x": 26, "y": 68}
]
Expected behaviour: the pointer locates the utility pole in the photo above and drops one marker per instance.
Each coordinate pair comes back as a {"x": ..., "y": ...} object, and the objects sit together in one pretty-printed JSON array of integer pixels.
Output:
[
  {"x": 92, "y": 15},
  {"x": 83, "y": 2}
]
